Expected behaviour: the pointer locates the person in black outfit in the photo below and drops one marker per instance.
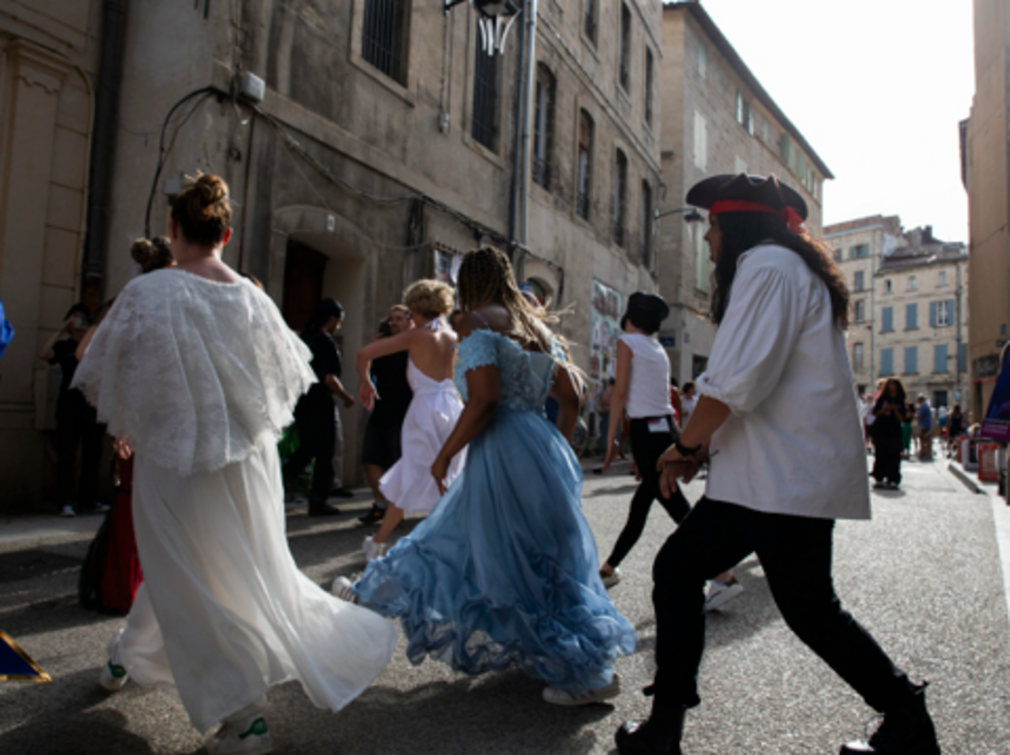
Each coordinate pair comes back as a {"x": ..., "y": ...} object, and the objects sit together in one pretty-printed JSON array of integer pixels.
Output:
[
  {"x": 314, "y": 412},
  {"x": 76, "y": 423},
  {"x": 954, "y": 429},
  {"x": 886, "y": 430},
  {"x": 381, "y": 448}
]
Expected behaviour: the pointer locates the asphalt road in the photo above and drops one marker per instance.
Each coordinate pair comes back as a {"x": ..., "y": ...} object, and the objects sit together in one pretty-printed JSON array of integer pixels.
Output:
[{"x": 924, "y": 577}]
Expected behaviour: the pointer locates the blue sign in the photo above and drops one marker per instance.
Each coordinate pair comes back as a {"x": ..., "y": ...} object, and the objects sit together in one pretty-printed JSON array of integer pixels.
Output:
[{"x": 669, "y": 342}]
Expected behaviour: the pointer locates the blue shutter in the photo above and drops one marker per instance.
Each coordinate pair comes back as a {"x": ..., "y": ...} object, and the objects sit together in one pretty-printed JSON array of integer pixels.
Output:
[
  {"x": 887, "y": 317},
  {"x": 932, "y": 314},
  {"x": 887, "y": 361},
  {"x": 951, "y": 317},
  {"x": 911, "y": 360},
  {"x": 911, "y": 316},
  {"x": 962, "y": 357},
  {"x": 940, "y": 358}
]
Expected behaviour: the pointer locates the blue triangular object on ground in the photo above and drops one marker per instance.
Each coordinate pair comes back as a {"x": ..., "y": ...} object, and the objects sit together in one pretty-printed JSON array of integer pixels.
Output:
[{"x": 16, "y": 665}]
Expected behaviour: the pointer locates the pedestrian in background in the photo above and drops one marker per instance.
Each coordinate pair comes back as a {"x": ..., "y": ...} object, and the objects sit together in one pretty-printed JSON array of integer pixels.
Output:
[
  {"x": 381, "y": 448},
  {"x": 924, "y": 418},
  {"x": 778, "y": 479},
  {"x": 906, "y": 431},
  {"x": 77, "y": 429},
  {"x": 688, "y": 400},
  {"x": 954, "y": 429},
  {"x": 195, "y": 367},
  {"x": 316, "y": 417},
  {"x": 889, "y": 416},
  {"x": 641, "y": 392}
]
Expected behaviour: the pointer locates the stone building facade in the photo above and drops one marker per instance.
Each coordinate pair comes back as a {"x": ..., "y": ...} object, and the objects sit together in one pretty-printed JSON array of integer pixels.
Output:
[
  {"x": 386, "y": 144},
  {"x": 717, "y": 118},
  {"x": 986, "y": 173},
  {"x": 49, "y": 62},
  {"x": 908, "y": 317},
  {"x": 859, "y": 246}
]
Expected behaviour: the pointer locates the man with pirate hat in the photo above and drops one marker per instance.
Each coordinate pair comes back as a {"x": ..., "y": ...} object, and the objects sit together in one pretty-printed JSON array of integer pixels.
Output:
[{"x": 777, "y": 480}]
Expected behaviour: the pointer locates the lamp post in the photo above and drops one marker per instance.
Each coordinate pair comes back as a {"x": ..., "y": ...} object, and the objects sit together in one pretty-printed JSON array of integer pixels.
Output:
[{"x": 692, "y": 216}]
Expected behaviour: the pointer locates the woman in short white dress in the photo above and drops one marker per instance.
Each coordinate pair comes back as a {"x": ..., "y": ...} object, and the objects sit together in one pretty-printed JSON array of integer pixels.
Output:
[
  {"x": 408, "y": 486},
  {"x": 195, "y": 368}
]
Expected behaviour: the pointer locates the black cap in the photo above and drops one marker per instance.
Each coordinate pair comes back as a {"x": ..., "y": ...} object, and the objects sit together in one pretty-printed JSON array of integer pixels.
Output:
[{"x": 646, "y": 311}]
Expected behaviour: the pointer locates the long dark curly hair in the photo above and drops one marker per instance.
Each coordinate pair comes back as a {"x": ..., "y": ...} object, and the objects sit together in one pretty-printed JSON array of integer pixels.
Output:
[{"x": 744, "y": 230}]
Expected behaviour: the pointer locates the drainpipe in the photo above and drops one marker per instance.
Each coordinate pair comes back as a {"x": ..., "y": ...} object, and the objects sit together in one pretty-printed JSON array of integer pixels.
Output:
[
  {"x": 531, "y": 73},
  {"x": 518, "y": 144},
  {"x": 103, "y": 147}
]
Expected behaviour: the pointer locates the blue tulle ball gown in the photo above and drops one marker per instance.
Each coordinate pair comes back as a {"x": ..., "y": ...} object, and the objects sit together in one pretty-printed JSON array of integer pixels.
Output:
[{"x": 504, "y": 571}]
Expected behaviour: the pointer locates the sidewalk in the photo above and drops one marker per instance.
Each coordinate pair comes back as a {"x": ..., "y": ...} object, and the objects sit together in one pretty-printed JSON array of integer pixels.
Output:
[{"x": 1000, "y": 515}]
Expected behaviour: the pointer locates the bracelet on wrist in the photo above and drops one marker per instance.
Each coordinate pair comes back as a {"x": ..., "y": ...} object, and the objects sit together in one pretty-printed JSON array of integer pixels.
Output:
[{"x": 686, "y": 451}]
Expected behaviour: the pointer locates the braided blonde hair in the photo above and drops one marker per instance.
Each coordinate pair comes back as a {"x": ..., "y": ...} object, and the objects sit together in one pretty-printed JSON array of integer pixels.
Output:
[{"x": 486, "y": 276}]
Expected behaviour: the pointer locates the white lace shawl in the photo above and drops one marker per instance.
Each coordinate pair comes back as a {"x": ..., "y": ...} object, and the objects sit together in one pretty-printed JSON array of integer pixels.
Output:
[{"x": 194, "y": 373}]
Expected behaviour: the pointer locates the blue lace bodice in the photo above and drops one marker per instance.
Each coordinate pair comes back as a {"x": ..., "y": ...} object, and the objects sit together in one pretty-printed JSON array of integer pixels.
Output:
[{"x": 526, "y": 376}]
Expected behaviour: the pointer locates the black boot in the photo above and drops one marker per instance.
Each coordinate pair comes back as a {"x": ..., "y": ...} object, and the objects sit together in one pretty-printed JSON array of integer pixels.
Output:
[
  {"x": 660, "y": 735},
  {"x": 907, "y": 730}
]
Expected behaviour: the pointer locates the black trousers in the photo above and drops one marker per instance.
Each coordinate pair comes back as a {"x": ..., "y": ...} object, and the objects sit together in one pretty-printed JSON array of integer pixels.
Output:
[
  {"x": 795, "y": 554},
  {"x": 887, "y": 458},
  {"x": 316, "y": 439},
  {"x": 76, "y": 426},
  {"x": 646, "y": 448}
]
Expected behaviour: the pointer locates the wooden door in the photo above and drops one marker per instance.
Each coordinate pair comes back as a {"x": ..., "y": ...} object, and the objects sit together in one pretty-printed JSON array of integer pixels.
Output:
[{"x": 303, "y": 283}]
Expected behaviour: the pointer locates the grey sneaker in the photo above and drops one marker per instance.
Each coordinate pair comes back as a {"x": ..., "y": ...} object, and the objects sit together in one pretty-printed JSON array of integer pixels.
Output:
[
  {"x": 719, "y": 593},
  {"x": 564, "y": 697},
  {"x": 113, "y": 677}
]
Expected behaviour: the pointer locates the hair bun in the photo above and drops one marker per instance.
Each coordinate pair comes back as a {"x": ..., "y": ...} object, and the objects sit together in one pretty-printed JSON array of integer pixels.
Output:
[
  {"x": 208, "y": 194},
  {"x": 152, "y": 254},
  {"x": 142, "y": 251}
]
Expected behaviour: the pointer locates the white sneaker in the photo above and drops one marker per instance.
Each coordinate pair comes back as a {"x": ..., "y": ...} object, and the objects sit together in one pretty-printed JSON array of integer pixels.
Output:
[
  {"x": 720, "y": 592},
  {"x": 113, "y": 677},
  {"x": 254, "y": 739},
  {"x": 372, "y": 549},
  {"x": 564, "y": 697},
  {"x": 343, "y": 588},
  {"x": 68, "y": 511},
  {"x": 609, "y": 580}
]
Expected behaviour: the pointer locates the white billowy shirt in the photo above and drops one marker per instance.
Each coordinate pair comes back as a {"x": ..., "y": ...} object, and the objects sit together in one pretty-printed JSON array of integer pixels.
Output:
[
  {"x": 649, "y": 386},
  {"x": 194, "y": 373},
  {"x": 793, "y": 443}
]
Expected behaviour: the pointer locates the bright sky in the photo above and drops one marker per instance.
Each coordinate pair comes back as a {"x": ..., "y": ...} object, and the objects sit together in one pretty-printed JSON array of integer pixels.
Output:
[{"x": 877, "y": 88}]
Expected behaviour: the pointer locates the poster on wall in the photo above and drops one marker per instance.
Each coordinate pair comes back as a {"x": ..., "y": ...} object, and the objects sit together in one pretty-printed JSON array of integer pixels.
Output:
[
  {"x": 996, "y": 425},
  {"x": 608, "y": 306}
]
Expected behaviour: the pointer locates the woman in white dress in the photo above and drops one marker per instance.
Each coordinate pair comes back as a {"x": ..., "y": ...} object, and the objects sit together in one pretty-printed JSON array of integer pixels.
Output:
[
  {"x": 408, "y": 486},
  {"x": 196, "y": 370}
]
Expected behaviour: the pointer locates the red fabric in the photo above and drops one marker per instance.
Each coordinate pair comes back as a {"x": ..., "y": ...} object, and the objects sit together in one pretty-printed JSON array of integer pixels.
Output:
[
  {"x": 121, "y": 575},
  {"x": 787, "y": 213}
]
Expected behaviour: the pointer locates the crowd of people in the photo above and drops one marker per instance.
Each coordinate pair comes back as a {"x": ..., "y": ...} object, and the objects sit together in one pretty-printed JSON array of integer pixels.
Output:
[{"x": 196, "y": 375}]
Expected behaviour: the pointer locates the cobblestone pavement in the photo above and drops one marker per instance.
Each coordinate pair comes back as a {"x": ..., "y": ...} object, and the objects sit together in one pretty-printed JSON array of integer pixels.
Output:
[{"x": 924, "y": 577}]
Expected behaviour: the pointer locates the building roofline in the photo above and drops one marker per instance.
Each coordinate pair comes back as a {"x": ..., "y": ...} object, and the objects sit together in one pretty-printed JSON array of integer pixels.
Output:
[{"x": 705, "y": 21}]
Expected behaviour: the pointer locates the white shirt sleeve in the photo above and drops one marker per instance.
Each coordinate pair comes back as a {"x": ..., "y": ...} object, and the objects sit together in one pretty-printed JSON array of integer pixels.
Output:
[{"x": 755, "y": 339}]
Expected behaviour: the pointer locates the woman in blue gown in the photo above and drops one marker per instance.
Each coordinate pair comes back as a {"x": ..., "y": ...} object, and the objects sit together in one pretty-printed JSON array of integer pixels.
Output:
[{"x": 504, "y": 571}]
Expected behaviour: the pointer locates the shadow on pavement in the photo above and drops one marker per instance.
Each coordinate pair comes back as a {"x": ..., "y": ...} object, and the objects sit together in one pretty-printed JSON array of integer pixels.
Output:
[
  {"x": 65, "y": 723},
  {"x": 619, "y": 490}
]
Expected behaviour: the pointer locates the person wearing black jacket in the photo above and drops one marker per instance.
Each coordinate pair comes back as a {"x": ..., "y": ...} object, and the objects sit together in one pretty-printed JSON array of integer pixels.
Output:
[
  {"x": 314, "y": 414},
  {"x": 889, "y": 411}
]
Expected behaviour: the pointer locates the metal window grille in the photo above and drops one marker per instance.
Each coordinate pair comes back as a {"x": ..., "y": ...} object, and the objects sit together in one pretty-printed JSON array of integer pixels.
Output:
[
  {"x": 582, "y": 205},
  {"x": 485, "y": 96},
  {"x": 590, "y": 20},
  {"x": 618, "y": 233},
  {"x": 625, "y": 47},
  {"x": 383, "y": 37},
  {"x": 646, "y": 242},
  {"x": 620, "y": 190},
  {"x": 648, "y": 87},
  {"x": 542, "y": 128}
]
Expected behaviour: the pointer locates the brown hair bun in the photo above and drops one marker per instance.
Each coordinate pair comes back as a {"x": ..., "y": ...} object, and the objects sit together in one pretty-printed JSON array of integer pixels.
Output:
[
  {"x": 202, "y": 209},
  {"x": 152, "y": 254}
]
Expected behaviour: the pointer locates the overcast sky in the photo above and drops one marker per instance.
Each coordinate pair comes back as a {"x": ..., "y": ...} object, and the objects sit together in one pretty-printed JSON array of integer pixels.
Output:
[{"x": 877, "y": 88}]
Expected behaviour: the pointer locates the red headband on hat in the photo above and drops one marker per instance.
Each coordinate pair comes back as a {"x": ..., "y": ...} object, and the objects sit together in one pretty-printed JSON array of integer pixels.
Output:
[{"x": 787, "y": 213}]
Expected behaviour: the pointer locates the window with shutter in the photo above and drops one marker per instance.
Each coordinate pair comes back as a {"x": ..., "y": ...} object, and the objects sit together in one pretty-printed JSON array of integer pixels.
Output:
[
  {"x": 911, "y": 316},
  {"x": 700, "y": 141},
  {"x": 940, "y": 357},
  {"x": 887, "y": 319},
  {"x": 887, "y": 361},
  {"x": 911, "y": 360}
]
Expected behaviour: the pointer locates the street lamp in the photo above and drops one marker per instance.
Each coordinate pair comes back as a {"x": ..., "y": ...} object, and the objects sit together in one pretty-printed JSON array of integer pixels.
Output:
[
  {"x": 692, "y": 216},
  {"x": 487, "y": 8}
]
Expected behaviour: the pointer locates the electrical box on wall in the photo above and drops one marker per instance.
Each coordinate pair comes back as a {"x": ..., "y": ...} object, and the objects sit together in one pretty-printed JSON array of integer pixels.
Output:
[{"x": 251, "y": 88}]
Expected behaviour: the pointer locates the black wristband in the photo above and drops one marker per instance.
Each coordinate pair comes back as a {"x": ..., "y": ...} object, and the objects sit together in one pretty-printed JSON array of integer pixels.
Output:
[{"x": 684, "y": 450}]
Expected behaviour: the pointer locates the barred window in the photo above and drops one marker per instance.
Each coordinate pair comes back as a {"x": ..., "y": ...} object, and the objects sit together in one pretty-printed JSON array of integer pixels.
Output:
[
  {"x": 646, "y": 241},
  {"x": 585, "y": 164},
  {"x": 484, "y": 126},
  {"x": 648, "y": 86},
  {"x": 620, "y": 196},
  {"x": 543, "y": 126},
  {"x": 625, "y": 48},
  {"x": 385, "y": 35}
]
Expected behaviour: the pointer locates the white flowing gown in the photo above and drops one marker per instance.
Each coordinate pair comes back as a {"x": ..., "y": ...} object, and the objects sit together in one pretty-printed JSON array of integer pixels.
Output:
[{"x": 201, "y": 377}]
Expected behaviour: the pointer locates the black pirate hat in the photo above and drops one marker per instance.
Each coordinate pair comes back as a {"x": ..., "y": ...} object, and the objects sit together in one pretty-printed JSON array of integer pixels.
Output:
[{"x": 744, "y": 193}]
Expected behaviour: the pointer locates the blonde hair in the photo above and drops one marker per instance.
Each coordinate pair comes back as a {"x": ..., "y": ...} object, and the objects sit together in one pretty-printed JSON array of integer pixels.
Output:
[
  {"x": 429, "y": 297},
  {"x": 202, "y": 209},
  {"x": 152, "y": 254}
]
